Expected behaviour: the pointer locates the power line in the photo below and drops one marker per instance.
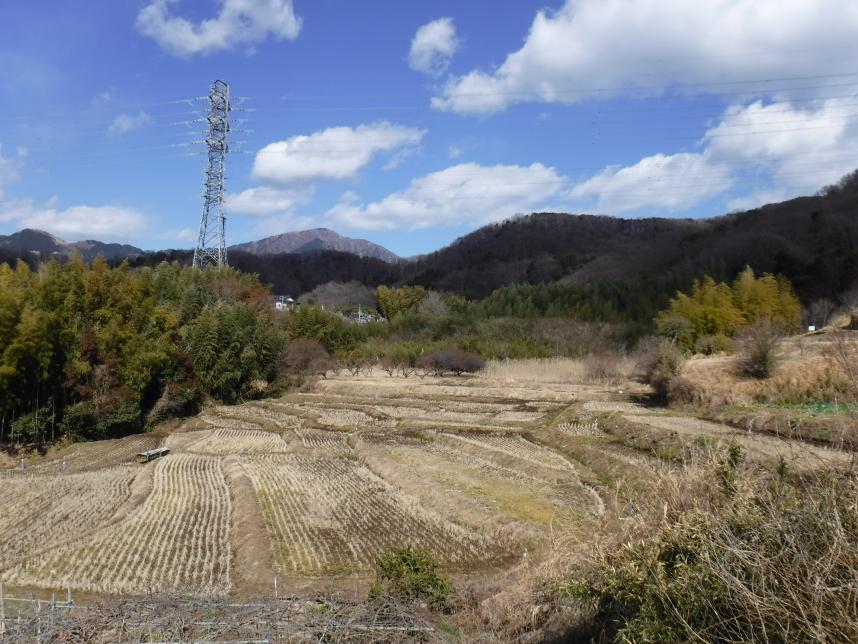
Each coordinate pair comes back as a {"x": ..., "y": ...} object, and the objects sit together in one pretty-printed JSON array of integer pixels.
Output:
[
  {"x": 93, "y": 108},
  {"x": 575, "y": 90}
]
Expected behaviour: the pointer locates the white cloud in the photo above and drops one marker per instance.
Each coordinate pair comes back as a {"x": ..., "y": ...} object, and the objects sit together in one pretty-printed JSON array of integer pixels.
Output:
[
  {"x": 599, "y": 48},
  {"x": 334, "y": 153},
  {"x": 238, "y": 23},
  {"x": 127, "y": 122},
  {"x": 801, "y": 149},
  {"x": 433, "y": 46},
  {"x": 464, "y": 194},
  {"x": 785, "y": 150},
  {"x": 265, "y": 201},
  {"x": 670, "y": 181},
  {"x": 105, "y": 223},
  {"x": 454, "y": 152}
]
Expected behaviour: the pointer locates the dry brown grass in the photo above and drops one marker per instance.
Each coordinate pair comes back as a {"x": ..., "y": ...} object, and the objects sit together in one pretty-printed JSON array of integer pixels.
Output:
[
  {"x": 811, "y": 370},
  {"x": 596, "y": 368},
  {"x": 778, "y": 562},
  {"x": 716, "y": 382},
  {"x": 759, "y": 557},
  {"x": 560, "y": 370}
]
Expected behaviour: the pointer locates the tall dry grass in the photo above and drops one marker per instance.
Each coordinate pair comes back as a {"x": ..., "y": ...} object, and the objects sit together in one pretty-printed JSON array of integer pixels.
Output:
[
  {"x": 597, "y": 368},
  {"x": 713, "y": 550},
  {"x": 717, "y": 382},
  {"x": 774, "y": 559}
]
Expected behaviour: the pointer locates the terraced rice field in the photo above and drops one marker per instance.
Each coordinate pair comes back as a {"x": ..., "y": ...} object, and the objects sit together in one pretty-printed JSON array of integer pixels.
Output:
[
  {"x": 333, "y": 515},
  {"x": 35, "y": 513},
  {"x": 516, "y": 447},
  {"x": 238, "y": 441},
  {"x": 176, "y": 540},
  {"x": 86, "y": 457},
  {"x": 314, "y": 486},
  {"x": 324, "y": 441}
]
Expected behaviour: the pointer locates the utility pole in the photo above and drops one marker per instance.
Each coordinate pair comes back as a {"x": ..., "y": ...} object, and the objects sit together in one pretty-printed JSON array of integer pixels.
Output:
[{"x": 211, "y": 245}]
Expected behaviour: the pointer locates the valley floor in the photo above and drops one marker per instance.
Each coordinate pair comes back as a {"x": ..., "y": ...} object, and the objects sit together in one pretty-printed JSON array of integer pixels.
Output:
[{"x": 299, "y": 495}]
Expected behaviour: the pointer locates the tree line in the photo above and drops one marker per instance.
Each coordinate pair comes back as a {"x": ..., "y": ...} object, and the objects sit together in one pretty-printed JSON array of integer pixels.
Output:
[{"x": 90, "y": 351}]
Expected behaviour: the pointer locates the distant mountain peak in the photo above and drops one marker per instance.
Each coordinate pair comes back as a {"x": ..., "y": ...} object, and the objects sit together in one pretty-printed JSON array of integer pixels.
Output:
[
  {"x": 316, "y": 239},
  {"x": 33, "y": 240}
]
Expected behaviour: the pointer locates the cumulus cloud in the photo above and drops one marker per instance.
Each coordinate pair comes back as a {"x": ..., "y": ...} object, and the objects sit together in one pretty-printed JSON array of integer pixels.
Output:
[
  {"x": 237, "y": 23},
  {"x": 670, "y": 181},
  {"x": 467, "y": 193},
  {"x": 433, "y": 46},
  {"x": 600, "y": 48},
  {"x": 105, "y": 223},
  {"x": 127, "y": 122},
  {"x": 334, "y": 153},
  {"x": 790, "y": 150},
  {"x": 265, "y": 201},
  {"x": 800, "y": 148}
]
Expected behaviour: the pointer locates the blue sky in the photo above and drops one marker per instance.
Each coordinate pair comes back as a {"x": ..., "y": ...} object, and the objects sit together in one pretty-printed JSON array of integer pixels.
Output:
[{"x": 412, "y": 123}]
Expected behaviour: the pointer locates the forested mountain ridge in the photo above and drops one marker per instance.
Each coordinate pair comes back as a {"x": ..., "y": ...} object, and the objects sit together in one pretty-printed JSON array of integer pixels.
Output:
[{"x": 811, "y": 240}]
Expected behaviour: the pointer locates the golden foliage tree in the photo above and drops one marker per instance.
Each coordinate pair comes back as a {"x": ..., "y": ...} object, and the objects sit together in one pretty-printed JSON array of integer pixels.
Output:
[{"x": 719, "y": 310}]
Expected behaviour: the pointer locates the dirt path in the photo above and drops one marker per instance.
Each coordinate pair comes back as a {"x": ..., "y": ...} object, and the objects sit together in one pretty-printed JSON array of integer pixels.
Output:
[{"x": 252, "y": 565}]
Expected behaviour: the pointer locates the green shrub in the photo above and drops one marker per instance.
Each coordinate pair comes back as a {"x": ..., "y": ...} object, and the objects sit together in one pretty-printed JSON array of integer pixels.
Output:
[
  {"x": 80, "y": 422},
  {"x": 410, "y": 573},
  {"x": 34, "y": 427}
]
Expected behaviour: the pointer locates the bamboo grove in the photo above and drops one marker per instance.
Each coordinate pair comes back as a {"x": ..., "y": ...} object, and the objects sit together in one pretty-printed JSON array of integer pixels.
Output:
[{"x": 89, "y": 351}]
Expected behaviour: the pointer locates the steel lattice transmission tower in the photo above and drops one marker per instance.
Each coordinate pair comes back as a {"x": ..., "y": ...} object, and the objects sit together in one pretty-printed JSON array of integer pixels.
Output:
[{"x": 211, "y": 245}]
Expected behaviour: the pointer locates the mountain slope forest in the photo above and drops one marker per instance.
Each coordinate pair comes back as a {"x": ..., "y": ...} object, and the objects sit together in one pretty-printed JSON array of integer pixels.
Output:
[{"x": 813, "y": 241}]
